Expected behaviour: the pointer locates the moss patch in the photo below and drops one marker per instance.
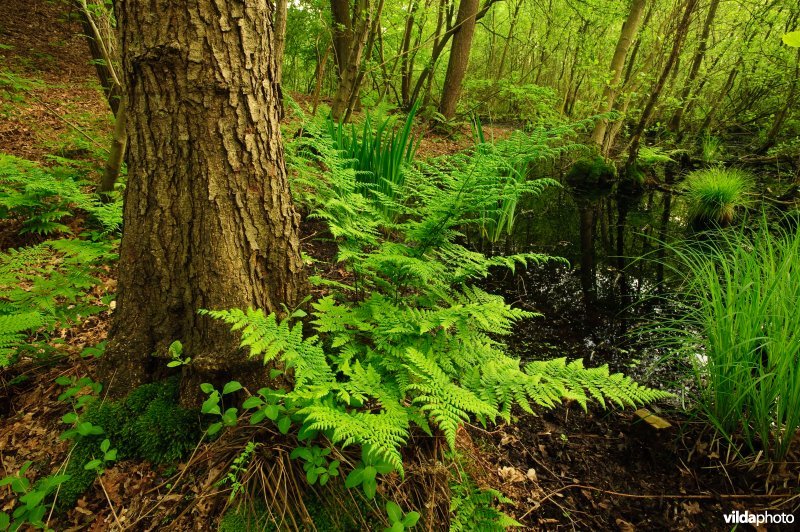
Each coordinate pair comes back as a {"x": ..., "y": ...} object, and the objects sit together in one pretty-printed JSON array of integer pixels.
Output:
[
  {"x": 591, "y": 172},
  {"x": 147, "y": 425}
]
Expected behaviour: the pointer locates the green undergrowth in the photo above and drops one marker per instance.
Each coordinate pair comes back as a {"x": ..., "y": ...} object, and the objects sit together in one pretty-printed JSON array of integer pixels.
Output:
[
  {"x": 589, "y": 172},
  {"x": 52, "y": 282},
  {"x": 148, "y": 424},
  {"x": 408, "y": 342},
  {"x": 739, "y": 330}
]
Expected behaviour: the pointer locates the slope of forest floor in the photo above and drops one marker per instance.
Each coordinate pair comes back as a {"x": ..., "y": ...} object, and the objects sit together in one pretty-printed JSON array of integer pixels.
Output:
[{"x": 564, "y": 470}]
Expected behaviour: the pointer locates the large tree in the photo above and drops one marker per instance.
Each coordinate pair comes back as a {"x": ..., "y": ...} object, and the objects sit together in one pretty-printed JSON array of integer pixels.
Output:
[{"x": 208, "y": 217}]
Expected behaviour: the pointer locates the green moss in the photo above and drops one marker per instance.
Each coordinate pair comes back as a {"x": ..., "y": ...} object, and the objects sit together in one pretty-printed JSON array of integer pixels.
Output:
[
  {"x": 591, "y": 171},
  {"x": 147, "y": 425}
]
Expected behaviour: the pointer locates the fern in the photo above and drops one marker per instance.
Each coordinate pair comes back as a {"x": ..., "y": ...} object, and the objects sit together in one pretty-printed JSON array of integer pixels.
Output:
[
  {"x": 44, "y": 197},
  {"x": 409, "y": 340},
  {"x": 45, "y": 286}
]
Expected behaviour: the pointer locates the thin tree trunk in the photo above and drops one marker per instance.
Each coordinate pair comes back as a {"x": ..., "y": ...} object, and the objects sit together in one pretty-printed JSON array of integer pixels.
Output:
[
  {"x": 680, "y": 36},
  {"x": 709, "y": 118},
  {"x": 407, "y": 66},
  {"x": 209, "y": 220},
  {"x": 507, "y": 44},
  {"x": 279, "y": 32},
  {"x": 626, "y": 37},
  {"x": 116, "y": 155},
  {"x": 697, "y": 60},
  {"x": 459, "y": 57},
  {"x": 373, "y": 31},
  {"x": 783, "y": 113}
]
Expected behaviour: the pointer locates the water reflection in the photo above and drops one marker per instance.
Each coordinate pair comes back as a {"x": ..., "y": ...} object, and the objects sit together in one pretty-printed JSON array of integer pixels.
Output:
[{"x": 589, "y": 305}]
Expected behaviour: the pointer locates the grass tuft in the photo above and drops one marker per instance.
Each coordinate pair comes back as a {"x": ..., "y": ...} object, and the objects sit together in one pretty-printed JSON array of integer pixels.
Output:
[
  {"x": 715, "y": 195},
  {"x": 741, "y": 330}
]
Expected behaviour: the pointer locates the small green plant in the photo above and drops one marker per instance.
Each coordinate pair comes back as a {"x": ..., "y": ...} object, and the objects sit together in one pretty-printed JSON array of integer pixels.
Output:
[
  {"x": 366, "y": 472},
  {"x": 107, "y": 456},
  {"x": 398, "y": 520},
  {"x": 711, "y": 149},
  {"x": 315, "y": 463},
  {"x": 31, "y": 499},
  {"x": 213, "y": 406},
  {"x": 652, "y": 156},
  {"x": 175, "y": 352},
  {"x": 269, "y": 404},
  {"x": 472, "y": 508},
  {"x": 716, "y": 195},
  {"x": 238, "y": 467},
  {"x": 75, "y": 387}
]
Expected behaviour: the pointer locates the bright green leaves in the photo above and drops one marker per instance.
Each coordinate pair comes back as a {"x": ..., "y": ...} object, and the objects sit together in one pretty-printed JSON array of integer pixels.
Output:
[
  {"x": 315, "y": 463},
  {"x": 792, "y": 39},
  {"x": 398, "y": 520},
  {"x": 107, "y": 455},
  {"x": 366, "y": 472},
  {"x": 175, "y": 352},
  {"x": 213, "y": 406},
  {"x": 31, "y": 507}
]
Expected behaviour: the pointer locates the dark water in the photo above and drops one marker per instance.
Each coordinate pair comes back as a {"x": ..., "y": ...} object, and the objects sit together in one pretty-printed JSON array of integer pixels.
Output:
[{"x": 615, "y": 275}]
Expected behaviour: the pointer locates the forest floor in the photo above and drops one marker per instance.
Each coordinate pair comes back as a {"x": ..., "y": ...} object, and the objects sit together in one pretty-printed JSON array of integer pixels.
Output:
[{"x": 564, "y": 469}]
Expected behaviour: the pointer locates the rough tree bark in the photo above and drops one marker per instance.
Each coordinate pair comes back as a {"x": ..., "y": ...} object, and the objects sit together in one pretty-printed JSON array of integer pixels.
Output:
[
  {"x": 626, "y": 37},
  {"x": 209, "y": 221},
  {"x": 459, "y": 57}
]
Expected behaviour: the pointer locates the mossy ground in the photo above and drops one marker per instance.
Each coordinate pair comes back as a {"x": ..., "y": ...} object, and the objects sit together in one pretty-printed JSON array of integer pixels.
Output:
[{"x": 148, "y": 424}]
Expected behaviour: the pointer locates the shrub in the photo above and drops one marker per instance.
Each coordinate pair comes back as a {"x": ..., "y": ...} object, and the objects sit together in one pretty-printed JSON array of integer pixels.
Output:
[
  {"x": 715, "y": 195},
  {"x": 740, "y": 329}
]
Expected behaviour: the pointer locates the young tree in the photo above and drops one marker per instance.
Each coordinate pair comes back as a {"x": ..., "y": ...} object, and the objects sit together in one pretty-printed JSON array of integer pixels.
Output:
[
  {"x": 209, "y": 221},
  {"x": 655, "y": 92},
  {"x": 626, "y": 37}
]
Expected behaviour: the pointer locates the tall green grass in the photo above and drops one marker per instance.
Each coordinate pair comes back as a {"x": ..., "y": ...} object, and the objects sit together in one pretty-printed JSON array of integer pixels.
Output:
[
  {"x": 742, "y": 333},
  {"x": 379, "y": 155},
  {"x": 716, "y": 195}
]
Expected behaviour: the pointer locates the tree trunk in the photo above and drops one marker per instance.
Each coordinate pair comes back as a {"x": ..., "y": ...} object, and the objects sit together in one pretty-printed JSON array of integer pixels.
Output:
[
  {"x": 699, "y": 55},
  {"x": 209, "y": 221},
  {"x": 680, "y": 35},
  {"x": 342, "y": 32},
  {"x": 116, "y": 155},
  {"x": 783, "y": 113},
  {"x": 626, "y": 37},
  {"x": 406, "y": 65},
  {"x": 507, "y": 43},
  {"x": 279, "y": 31},
  {"x": 459, "y": 57}
]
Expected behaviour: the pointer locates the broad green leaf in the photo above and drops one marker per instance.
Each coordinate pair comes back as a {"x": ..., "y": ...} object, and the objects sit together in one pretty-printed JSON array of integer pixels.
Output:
[
  {"x": 792, "y": 39},
  {"x": 231, "y": 387}
]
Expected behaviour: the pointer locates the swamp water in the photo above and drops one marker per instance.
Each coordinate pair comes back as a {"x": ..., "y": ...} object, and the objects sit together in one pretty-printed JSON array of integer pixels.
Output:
[{"x": 615, "y": 274}]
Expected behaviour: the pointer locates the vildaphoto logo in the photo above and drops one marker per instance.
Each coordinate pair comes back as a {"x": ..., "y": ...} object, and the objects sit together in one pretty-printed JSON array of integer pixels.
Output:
[{"x": 762, "y": 518}]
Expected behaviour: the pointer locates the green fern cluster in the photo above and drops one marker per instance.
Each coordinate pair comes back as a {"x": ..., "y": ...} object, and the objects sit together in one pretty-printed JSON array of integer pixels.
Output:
[
  {"x": 409, "y": 341},
  {"x": 45, "y": 286},
  {"x": 43, "y": 197}
]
